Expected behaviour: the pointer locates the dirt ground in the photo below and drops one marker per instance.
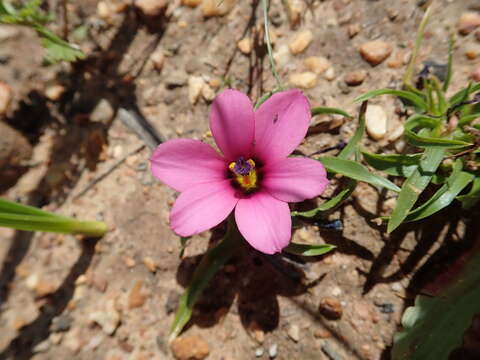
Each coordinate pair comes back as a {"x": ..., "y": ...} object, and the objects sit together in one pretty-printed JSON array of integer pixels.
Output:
[{"x": 114, "y": 298}]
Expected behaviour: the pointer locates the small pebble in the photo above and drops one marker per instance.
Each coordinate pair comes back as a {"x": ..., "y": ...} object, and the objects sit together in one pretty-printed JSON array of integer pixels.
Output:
[
  {"x": 54, "y": 92},
  {"x": 468, "y": 22},
  {"x": 190, "y": 348},
  {"x": 158, "y": 59},
  {"x": 191, "y": 3},
  {"x": 375, "y": 52},
  {"x": 376, "y": 122},
  {"x": 151, "y": 8},
  {"x": 245, "y": 45},
  {"x": 259, "y": 352},
  {"x": 214, "y": 8},
  {"x": 150, "y": 264},
  {"x": 330, "y": 74},
  {"x": 294, "y": 332},
  {"x": 353, "y": 30},
  {"x": 137, "y": 297},
  {"x": 300, "y": 42},
  {"x": 476, "y": 74},
  {"x": 355, "y": 78},
  {"x": 331, "y": 308},
  {"x": 273, "y": 351},
  {"x": 397, "y": 287},
  {"x": 317, "y": 64},
  {"x": 195, "y": 86},
  {"x": 304, "y": 80}
]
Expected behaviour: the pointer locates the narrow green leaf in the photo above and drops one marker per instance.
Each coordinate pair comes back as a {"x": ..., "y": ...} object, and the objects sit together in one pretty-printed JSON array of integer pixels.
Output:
[
  {"x": 183, "y": 245},
  {"x": 444, "y": 196},
  {"x": 356, "y": 171},
  {"x": 473, "y": 196},
  {"x": 463, "y": 94},
  {"x": 393, "y": 164},
  {"x": 435, "y": 326},
  {"x": 52, "y": 224},
  {"x": 211, "y": 263},
  {"x": 323, "y": 110},
  {"x": 308, "y": 250},
  {"x": 407, "y": 78},
  {"x": 417, "y": 100},
  {"x": 414, "y": 186},
  {"x": 442, "y": 104},
  {"x": 352, "y": 145},
  {"x": 426, "y": 122},
  {"x": 7, "y": 206},
  {"x": 467, "y": 119},
  {"x": 330, "y": 204}
]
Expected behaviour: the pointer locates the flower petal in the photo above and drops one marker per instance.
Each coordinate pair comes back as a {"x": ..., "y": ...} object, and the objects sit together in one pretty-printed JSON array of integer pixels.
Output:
[
  {"x": 232, "y": 124},
  {"x": 295, "y": 179},
  {"x": 281, "y": 123},
  {"x": 202, "y": 207},
  {"x": 183, "y": 163},
  {"x": 264, "y": 222}
]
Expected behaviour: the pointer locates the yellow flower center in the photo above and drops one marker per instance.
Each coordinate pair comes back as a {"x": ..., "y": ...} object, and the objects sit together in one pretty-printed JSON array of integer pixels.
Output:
[{"x": 244, "y": 173}]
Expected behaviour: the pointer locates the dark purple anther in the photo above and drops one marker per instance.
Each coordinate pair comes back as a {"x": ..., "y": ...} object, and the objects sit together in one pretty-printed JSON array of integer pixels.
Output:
[{"x": 242, "y": 166}]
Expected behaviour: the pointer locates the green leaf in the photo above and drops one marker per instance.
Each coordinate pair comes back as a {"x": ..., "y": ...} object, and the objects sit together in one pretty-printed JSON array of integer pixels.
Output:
[
  {"x": 435, "y": 325},
  {"x": 356, "y": 171},
  {"x": 467, "y": 119},
  {"x": 463, "y": 94},
  {"x": 352, "y": 145},
  {"x": 323, "y": 110},
  {"x": 473, "y": 196},
  {"x": 330, "y": 204},
  {"x": 393, "y": 164},
  {"x": 52, "y": 224},
  {"x": 183, "y": 245},
  {"x": 11, "y": 207},
  {"x": 58, "y": 49},
  {"x": 211, "y": 263},
  {"x": 444, "y": 196},
  {"x": 308, "y": 250},
  {"x": 408, "y": 95},
  {"x": 414, "y": 185},
  {"x": 426, "y": 122}
]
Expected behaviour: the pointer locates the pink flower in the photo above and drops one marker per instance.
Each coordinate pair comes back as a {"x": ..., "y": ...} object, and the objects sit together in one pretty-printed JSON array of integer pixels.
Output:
[{"x": 254, "y": 176}]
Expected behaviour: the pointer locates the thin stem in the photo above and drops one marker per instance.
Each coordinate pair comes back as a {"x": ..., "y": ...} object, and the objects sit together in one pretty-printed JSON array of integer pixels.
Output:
[
  {"x": 407, "y": 80},
  {"x": 269, "y": 44}
]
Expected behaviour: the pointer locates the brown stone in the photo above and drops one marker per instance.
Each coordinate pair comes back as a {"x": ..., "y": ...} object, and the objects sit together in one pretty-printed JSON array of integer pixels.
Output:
[
  {"x": 468, "y": 22},
  {"x": 190, "y": 348},
  {"x": 355, "y": 78},
  {"x": 137, "y": 297},
  {"x": 212, "y": 8},
  {"x": 375, "y": 52},
  {"x": 331, "y": 308},
  {"x": 152, "y": 8},
  {"x": 476, "y": 74}
]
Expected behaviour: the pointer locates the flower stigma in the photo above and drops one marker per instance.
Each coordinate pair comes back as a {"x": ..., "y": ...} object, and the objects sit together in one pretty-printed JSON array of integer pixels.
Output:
[{"x": 245, "y": 173}]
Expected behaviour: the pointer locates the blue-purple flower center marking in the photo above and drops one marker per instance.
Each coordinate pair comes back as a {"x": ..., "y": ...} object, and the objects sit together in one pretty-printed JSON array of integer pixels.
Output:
[{"x": 242, "y": 166}]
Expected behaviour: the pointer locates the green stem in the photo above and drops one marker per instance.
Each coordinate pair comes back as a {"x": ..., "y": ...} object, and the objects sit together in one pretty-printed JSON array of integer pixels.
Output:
[
  {"x": 407, "y": 80},
  {"x": 269, "y": 45}
]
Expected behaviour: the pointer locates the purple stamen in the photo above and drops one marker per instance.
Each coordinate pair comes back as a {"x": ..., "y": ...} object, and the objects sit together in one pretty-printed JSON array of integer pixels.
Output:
[{"x": 242, "y": 166}]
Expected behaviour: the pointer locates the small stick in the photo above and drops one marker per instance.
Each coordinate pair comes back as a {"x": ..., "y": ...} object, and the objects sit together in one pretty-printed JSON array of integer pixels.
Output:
[{"x": 108, "y": 171}]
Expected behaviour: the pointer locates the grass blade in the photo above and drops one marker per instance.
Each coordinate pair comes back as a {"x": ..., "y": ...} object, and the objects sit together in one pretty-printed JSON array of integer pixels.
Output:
[
  {"x": 356, "y": 171},
  {"x": 211, "y": 263},
  {"x": 308, "y": 250},
  {"x": 463, "y": 94},
  {"x": 473, "y": 196},
  {"x": 448, "y": 76},
  {"x": 323, "y": 110},
  {"x": 352, "y": 145},
  {"x": 394, "y": 164},
  {"x": 7, "y": 206},
  {"x": 456, "y": 182},
  {"x": 52, "y": 224},
  {"x": 408, "y": 95},
  {"x": 330, "y": 204},
  {"x": 414, "y": 186}
]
